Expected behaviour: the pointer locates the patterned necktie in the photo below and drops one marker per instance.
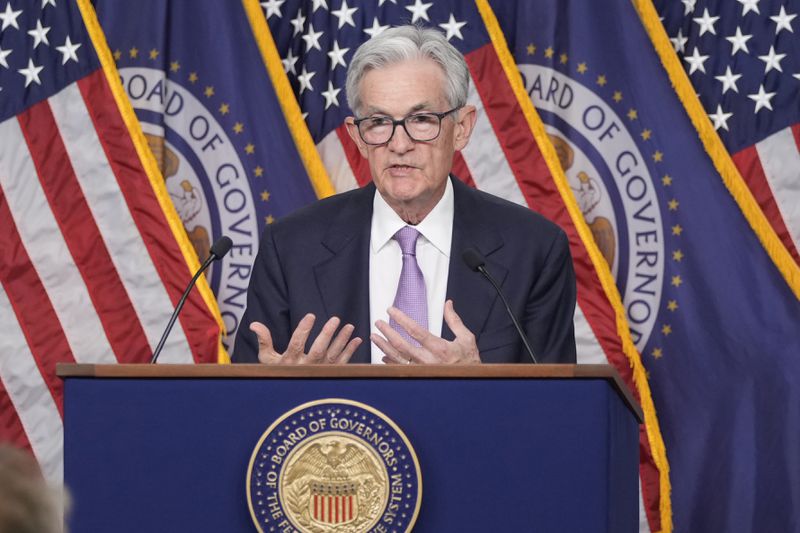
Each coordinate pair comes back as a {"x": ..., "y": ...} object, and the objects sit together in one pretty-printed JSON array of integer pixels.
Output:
[{"x": 411, "y": 297}]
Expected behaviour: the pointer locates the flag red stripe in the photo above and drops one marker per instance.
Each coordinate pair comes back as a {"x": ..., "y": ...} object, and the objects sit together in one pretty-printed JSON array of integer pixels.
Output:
[
  {"x": 32, "y": 306},
  {"x": 200, "y": 327},
  {"x": 461, "y": 170},
  {"x": 81, "y": 235},
  {"x": 541, "y": 194},
  {"x": 749, "y": 165},
  {"x": 796, "y": 133},
  {"x": 650, "y": 480},
  {"x": 11, "y": 429},
  {"x": 358, "y": 164}
]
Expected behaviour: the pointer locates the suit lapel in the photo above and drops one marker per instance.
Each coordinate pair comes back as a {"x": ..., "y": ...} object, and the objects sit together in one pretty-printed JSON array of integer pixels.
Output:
[
  {"x": 343, "y": 277},
  {"x": 473, "y": 296}
]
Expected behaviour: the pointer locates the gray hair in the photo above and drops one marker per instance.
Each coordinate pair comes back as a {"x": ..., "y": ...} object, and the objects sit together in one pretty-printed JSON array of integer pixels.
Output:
[{"x": 403, "y": 43}]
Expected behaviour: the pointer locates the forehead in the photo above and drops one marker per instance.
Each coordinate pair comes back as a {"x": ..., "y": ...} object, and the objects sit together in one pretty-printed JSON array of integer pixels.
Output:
[{"x": 400, "y": 88}]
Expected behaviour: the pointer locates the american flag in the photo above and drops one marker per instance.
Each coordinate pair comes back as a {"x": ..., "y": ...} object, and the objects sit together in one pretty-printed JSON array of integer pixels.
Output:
[
  {"x": 316, "y": 40},
  {"x": 90, "y": 268},
  {"x": 743, "y": 59}
]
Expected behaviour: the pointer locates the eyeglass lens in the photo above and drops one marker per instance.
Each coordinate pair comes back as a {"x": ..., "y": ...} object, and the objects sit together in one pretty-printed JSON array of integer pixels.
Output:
[{"x": 419, "y": 126}]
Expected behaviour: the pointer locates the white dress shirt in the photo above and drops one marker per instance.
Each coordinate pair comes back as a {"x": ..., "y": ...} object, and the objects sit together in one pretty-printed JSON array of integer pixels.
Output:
[{"x": 386, "y": 260}]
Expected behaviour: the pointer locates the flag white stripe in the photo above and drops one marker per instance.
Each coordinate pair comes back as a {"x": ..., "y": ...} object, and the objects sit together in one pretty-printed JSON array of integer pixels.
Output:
[
  {"x": 644, "y": 525},
  {"x": 32, "y": 400},
  {"x": 780, "y": 160},
  {"x": 485, "y": 157},
  {"x": 45, "y": 245},
  {"x": 589, "y": 350},
  {"x": 333, "y": 157},
  {"x": 116, "y": 225}
]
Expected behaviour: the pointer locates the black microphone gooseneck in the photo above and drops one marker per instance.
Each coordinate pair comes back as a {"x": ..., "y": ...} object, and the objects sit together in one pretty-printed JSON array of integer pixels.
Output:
[
  {"x": 476, "y": 262},
  {"x": 218, "y": 251}
]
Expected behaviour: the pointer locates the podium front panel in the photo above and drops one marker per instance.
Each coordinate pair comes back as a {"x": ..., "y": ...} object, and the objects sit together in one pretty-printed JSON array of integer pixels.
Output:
[{"x": 495, "y": 454}]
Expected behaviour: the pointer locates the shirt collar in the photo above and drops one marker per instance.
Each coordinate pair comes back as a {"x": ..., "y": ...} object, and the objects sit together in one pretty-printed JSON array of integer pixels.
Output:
[{"x": 436, "y": 227}]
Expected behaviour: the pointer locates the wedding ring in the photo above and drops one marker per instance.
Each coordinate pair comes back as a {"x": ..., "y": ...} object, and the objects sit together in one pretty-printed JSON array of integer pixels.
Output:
[{"x": 408, "y": 362}]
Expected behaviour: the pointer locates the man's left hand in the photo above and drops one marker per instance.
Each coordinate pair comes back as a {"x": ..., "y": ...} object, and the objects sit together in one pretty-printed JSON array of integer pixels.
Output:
[{"x": 432, "y": 349}]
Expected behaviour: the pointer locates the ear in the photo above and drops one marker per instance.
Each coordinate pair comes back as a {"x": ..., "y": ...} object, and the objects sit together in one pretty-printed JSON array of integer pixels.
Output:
[
  {"x": 352, "y": 131},
  {"x": 465, "y": 123}
]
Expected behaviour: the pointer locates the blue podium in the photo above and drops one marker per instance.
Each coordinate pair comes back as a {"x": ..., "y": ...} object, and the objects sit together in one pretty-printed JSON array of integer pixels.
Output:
[{"x": 548, "y": 448}]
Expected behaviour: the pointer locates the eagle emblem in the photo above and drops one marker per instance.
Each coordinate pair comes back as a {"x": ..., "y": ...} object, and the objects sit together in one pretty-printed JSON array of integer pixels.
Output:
[{"x": 335, "y": 480}]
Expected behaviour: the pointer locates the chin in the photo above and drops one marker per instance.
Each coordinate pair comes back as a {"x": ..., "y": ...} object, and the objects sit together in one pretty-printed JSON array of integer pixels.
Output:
[
  {"x": 404, "y": 195},
  {"x": 401, "y": 186}
]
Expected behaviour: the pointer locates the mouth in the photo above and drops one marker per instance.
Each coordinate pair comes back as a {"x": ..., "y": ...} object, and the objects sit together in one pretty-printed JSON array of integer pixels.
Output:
[
  {"x": 401, "y": 166},
  {"x": 399, "y": 170}
]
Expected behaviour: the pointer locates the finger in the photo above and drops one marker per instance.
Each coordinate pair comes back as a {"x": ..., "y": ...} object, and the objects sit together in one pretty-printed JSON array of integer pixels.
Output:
[
  {"x": 432, "y": 348},
  {"x": 416, "y": 331},
  {"x": 455, "y": 323},
  {"x": 452, "y": 319},
  {"x": 262, "y": 334},
  {"x": 266, "y": 352},
  {"x": 320, "y": 346},
  {"x": 390, "y": 355},
  {"x": 294, "y": 352},
  {"x": 399, "y": 347},
  {"x": 396, "y": 341},
  {"x": 348, "y": 351},
  {"x": 338, "y": 344},
  {"x": 464, "y": 348}
]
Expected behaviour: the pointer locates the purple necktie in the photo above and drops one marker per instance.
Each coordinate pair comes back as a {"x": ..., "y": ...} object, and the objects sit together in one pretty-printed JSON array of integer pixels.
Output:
[{"x": 411, "y": 297}]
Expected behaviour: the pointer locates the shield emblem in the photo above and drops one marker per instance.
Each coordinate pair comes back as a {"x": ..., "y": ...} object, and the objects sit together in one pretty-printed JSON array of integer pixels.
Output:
[{"x": 333, "y": 503}]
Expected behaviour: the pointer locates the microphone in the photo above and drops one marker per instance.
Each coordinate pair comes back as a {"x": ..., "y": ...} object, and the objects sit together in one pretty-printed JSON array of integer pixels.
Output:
[
  {"x": 476, "y": 262},
  {"x": 218, "y": 250}
]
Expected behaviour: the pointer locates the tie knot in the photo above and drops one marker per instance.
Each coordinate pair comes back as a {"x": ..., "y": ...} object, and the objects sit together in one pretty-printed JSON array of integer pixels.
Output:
[{"x": 406, "y": 237}]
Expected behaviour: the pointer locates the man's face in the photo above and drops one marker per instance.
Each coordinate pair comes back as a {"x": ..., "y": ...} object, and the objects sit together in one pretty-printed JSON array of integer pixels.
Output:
[{"x": 411, "y": 175}]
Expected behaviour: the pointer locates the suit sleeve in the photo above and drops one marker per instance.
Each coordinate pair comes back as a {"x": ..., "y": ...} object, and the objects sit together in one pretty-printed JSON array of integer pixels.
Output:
[
  {"x": 551, "y": 306},
  {"x": 267, "y": 302}
]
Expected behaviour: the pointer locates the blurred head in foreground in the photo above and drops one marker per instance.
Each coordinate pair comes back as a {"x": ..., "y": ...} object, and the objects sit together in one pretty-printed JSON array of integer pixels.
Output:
[{"x": 28, "y": 504}]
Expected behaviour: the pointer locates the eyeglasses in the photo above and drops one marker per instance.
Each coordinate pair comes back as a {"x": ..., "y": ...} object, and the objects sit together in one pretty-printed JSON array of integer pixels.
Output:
[{"x": 420, "y": 127}]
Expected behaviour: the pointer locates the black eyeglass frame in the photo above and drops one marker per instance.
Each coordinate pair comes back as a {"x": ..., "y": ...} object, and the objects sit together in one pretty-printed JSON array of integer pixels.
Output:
[{"x": 402, "y": 122}]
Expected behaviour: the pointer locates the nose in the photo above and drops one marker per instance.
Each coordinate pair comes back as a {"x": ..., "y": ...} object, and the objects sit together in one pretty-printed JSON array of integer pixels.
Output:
[{"x": 400, "y": 142}]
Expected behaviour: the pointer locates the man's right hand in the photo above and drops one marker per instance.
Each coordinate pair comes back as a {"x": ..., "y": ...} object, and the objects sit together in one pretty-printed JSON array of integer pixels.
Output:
[{"x": 326, "y": 348}]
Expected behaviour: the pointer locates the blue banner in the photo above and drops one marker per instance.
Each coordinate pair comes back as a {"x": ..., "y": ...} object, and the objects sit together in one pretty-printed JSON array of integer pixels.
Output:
[
  {"x": 200, "y": 88},
  {"x": 716, "y": 323}
]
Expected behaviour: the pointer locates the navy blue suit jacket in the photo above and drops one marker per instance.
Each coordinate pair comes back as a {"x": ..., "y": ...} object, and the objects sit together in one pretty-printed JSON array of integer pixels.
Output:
[{"x": 316, "y": 260}]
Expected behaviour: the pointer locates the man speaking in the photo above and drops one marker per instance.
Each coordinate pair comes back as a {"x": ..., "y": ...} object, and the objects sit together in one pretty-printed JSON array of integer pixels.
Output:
[{"x": 384, "y": 263}]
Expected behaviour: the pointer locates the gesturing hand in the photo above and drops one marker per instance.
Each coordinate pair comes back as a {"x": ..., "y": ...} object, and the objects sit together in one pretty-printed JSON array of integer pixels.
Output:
[
  {"x": 325, "y": 349},
  {"x": 432, "y": 349}
]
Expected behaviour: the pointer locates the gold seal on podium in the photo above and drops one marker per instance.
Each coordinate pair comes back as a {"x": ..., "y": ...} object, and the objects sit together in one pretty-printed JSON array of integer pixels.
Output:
[{"x": 334, "y": 466}]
